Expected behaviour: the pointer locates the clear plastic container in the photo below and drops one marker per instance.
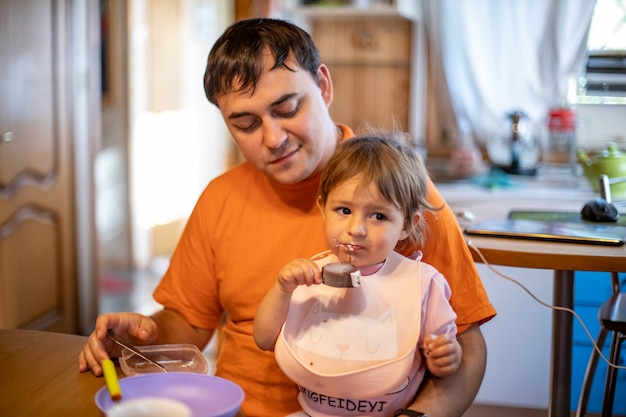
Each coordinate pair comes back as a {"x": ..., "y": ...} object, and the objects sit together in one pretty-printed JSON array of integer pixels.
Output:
[
  {"x": 560, "y": 147},
  {"x": 174, "y": 358}
]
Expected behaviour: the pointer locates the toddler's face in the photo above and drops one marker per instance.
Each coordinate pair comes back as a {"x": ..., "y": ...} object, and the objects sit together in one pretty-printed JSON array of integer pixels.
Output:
[{"x": 361, "y": 226}]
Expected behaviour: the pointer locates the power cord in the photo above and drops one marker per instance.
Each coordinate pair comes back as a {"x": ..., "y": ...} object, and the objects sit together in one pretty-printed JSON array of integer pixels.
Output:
[{"x": 534, "y": 297}]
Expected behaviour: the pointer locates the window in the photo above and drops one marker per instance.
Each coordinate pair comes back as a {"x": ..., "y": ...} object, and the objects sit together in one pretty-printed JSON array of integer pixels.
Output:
[{"x": 605, "y": 76}]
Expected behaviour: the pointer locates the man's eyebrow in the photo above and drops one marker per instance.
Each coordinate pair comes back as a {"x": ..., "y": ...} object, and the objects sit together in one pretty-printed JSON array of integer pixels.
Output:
[
  {"x": 236, "y": 115},
  {"x": 277, "y": 102},
  {"x": 283, "y": 98}
]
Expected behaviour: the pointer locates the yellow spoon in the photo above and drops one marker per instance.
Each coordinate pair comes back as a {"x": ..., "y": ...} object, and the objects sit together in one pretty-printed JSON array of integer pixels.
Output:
[{"x": 110, "y": 376}]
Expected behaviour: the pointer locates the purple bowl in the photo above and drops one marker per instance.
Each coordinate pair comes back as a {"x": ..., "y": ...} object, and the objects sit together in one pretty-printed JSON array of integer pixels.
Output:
[{"x": 206, "y": 395}]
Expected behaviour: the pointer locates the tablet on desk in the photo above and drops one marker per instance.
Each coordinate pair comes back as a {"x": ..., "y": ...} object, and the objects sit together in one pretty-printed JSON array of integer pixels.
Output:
[
  {"x": 597, "y": 234},
  {"x": 559, "y": 216}
]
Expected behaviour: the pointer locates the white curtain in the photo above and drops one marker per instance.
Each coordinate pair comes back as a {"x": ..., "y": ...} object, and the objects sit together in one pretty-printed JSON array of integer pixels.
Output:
[{"x": 490, "y": 57}]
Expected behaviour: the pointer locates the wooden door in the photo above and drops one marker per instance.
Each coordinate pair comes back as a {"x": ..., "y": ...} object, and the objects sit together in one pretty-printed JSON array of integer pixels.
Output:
[{"x": 38, "y": 273}]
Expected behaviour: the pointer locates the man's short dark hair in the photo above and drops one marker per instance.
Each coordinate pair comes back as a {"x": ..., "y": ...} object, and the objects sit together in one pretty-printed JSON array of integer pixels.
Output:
[{"x": 235, "y": 62}]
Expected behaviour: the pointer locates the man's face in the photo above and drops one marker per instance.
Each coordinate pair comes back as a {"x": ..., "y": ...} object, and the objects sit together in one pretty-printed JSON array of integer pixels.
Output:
[{"x": 283, "y": 127}]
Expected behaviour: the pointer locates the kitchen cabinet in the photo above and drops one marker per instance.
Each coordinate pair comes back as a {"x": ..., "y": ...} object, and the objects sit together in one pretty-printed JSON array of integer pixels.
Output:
[
  {"x": 374, "y": 57},
  {"x": 36, "y": 239},
  {"x": 408, "y": 9},
  {"x": 369, "y": 62},
  {"x": 43, "y": 135}
]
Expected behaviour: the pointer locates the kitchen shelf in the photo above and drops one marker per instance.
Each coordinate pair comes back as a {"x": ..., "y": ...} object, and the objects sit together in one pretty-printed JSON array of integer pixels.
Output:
[
  {"x": 380, "y": 46},
  {"x": 408, "y": 9}
]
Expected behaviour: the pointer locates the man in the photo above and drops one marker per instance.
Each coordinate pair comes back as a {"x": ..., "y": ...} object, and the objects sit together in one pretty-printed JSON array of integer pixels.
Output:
[{"x": 266, "y": 78}]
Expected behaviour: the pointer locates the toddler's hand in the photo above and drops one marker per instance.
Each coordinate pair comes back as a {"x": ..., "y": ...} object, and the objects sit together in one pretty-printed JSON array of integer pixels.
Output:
[
  {"x": 443, "y": 354},
  {"x": 300, "y": 271}
]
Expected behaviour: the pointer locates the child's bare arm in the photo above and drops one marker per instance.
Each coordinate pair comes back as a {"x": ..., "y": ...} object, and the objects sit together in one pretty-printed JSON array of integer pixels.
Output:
[{"x": 273, "y": 309}]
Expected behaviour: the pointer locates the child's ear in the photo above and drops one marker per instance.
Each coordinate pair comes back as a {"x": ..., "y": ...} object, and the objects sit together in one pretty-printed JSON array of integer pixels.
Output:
[
  {"x": 417, "y": 217},
  {"x": 320, "y": 205},
  {"x": 409, "y": 226}
]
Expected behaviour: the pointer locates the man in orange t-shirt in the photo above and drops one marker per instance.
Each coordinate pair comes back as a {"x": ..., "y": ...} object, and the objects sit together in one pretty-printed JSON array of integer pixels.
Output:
[{"x": 266, "y": 77}]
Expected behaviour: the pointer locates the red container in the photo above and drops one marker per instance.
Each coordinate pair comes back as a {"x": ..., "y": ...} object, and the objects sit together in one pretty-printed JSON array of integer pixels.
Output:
[
  {"x": 562, "y": 120},
  {"x": 560, "y": 147}
]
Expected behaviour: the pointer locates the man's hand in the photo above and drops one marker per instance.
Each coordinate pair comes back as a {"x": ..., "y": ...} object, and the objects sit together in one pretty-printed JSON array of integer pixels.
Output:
[
  {"x": 165, "y": 326},
  {"x": 139, "y": 329}
]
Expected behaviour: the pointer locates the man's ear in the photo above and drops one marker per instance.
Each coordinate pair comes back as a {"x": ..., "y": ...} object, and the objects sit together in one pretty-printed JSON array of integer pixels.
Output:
[
  {"x": 320, "y": 205},
  {"x": 325, "y": 84}
]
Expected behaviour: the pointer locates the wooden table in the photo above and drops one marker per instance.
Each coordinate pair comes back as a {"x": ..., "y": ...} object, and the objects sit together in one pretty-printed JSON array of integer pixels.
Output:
[
  {"x": 40, "y": 375},
  {"x": 563, "y": 258}
]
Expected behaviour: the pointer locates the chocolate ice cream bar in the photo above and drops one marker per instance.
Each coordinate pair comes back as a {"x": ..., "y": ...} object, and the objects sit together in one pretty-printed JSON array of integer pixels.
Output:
[{"x": 341, "y": 274}]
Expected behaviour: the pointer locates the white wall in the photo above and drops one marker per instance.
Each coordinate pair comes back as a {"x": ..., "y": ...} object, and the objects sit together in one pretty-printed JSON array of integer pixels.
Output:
[
  {"x": 518, "y": 339},
  {"x": 179, "y": 141},
  {"x": 599, "y": 124}
]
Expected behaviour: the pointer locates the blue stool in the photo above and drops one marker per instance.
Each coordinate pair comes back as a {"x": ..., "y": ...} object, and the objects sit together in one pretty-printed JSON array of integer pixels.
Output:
[{"x": 612, "y": 317}]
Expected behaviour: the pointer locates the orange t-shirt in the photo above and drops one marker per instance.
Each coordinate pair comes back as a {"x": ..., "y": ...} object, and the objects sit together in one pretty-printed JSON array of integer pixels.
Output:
[{"x": 243, "y": 229}]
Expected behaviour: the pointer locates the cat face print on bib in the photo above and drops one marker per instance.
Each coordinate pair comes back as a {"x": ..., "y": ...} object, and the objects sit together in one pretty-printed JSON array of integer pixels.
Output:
[{"x": 331, "y": 336}]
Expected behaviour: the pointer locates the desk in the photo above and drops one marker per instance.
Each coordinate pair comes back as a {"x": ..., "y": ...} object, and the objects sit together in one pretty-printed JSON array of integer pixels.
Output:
[
  {"x": 40, "y": 375},
  {"x": 563, "y": 258}
]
